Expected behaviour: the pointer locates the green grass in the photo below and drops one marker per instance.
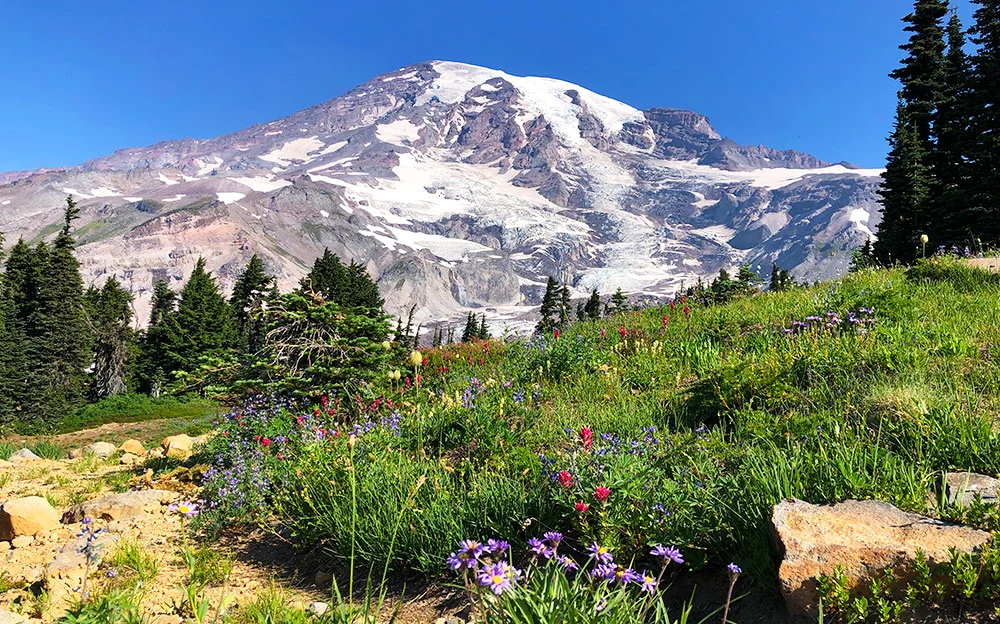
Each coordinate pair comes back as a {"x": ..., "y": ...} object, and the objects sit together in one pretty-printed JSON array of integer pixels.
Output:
[
  {"x": 744, "y": 415},
  {"x": 135, "y": 408}
]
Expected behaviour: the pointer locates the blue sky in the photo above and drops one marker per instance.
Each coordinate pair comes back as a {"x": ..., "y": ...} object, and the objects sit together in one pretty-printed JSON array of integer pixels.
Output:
[{"x": 80, "y": 80}]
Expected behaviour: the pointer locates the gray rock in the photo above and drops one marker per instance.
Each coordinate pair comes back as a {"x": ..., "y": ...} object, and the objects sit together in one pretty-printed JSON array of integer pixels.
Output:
[
  {"x": 961, "y": 488},
  {"x": 102, "y": 449},
  {"x": 119, "y": 506},
  {"x": 318, "y": 608},
  {"x": 23, "y": 455}
]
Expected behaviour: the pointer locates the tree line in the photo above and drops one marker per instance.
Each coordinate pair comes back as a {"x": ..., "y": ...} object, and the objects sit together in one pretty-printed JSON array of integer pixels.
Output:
[{"x": 942, "y": 177}]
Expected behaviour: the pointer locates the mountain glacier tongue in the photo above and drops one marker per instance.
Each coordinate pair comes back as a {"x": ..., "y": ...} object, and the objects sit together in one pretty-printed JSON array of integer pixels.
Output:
[{"x": 460, "y": 187}]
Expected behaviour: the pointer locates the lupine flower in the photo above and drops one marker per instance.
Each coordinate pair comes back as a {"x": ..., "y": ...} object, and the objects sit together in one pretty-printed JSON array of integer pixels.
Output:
[
  {"x": 600, "y": 553},
  {"x": 648, "y": 582},
  {"x": 565, "y": 479},
  {"x": 602, "y": 493},
  {"x": 581, "y": 507},
  {"x": 668, "y": 553},
  {"x": 497, "y": 577}
]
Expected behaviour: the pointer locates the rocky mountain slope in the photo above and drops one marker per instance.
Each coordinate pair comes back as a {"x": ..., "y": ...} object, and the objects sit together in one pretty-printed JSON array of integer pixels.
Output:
[{"x": 461, "y": 188}]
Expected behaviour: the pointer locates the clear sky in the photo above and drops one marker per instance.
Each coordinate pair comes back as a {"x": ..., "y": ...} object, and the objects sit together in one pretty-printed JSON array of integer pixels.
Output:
[{"x": 81, "y": 79}]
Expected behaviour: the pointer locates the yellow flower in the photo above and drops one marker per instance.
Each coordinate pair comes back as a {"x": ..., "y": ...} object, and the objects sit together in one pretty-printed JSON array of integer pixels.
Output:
[
  {"x": 416, "y": 358},
  {"x": 386, "y": 345}
]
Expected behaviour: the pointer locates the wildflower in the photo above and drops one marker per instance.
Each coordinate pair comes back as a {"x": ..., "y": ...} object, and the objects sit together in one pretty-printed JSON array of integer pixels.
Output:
[
  {"x": 416, "y": 358},
  {"x": 622, "y": 331},
  {"x": 604, "y": 333},
  {"x": 603, "y": 572},
  {"x": 184, "y": 508},
  {"x": 581, "y": 507},
  {"x": 687, "y": 312},
  {"x": 386, "y": 345},
  {"x": 602, "y": 493},
  {"x": 555, "y": 334},
  {"x": 665, "y": 322},
  {"x": 648, "y": 582},
  {"x": 668, "y": 553},
  {"x": 554, "y": 538},
  {"x": 266, "y": 441},
  {"x": 586, "y": 438},
  {"x": 565, "y": 479},
  {"x": 567, "y": 564},
  {"x": 734, "y": 570},
  {"x": 537, "y": 546},
  {"x": 472, "y": 548},
  {"x": 624, "y": 576},
  {"x": 600, "y": 553},
  {"x": 498, "y": 577},
  {"x": 496, "y": 547}
]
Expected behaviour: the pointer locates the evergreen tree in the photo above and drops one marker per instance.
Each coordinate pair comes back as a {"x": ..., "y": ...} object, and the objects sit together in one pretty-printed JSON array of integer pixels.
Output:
[
  {"x": 203, "y": 324},
  {"x": 920, "y": 73},
  {"x": 780, "y": 279},
  {"x": 110, "y": 318},
  {"x": 153, "y": 369},
  {"x": 60, "y": 350},
  {"x": 361, "y": 291},
  {"x": 746, "y": 280},
  {"x": 593, "y": 306},
  {"x": 862, "y": 258},
  {"x": 619, "y": 300},
  {"x": 437, "y": 337},
  {"x": 484, "y": 331},
  {"x": 905, "y": 191},
  {"x": 471, "y": 331},
  {"x": 327, "y": 277},
  {"x": 565, "y": 307},
  {"x": 250, "y": 293},
  {"x": 550, "y": 308},
  {"x": 722, "y": 287},
  {"x": 984, "y": 144}
]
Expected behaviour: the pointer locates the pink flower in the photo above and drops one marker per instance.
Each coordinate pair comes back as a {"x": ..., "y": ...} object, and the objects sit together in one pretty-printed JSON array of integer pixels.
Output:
[
  {"x": 565, "y": 479},
  {"x": 622, "y": 331},
  {"x": 266, "y": 441},
  {"x": 586, "y": 438},
  {"x": 581, "y": 507},
  {"x": 603, "y": 334},
  {"x": 666, "y": 321},
  {"x": 555, "y": 334},
  {"x": 687, "y": 311},
  {"x": 602, "y": 493}
]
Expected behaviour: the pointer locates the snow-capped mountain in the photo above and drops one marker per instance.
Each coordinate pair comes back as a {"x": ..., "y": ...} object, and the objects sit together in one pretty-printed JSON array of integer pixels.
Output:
[{"x": 460, "y": 187}]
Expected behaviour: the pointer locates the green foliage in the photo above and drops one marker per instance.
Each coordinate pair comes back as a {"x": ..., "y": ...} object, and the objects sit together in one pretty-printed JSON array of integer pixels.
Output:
[
  {"x": 203, "y": 324},
  {"x": 348, "y": 286},
  {"x": 252, "y": 290},
  {"x": 549, "y": 311},
  {"x": 109, "y": 312},
  {"x": 135, "y": 407}
]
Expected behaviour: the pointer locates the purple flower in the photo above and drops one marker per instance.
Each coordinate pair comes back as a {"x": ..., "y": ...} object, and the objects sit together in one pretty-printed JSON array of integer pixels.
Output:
[
  {"x": 648, "y": 582},
  {"x": 668, "y": 553},
  {"x": 499, "y": 577},
  {"x": 734, "y": 570},
  {"x": 603, "y": 572},
  {"x": 537, "y": 546},
  {"x": 472, "y": 548},
  {"x": 496, "y": 547},
  {"x": 599, "y": 553},
  {"x": 567, "y": 564},
  {"x": 624, "y": 576},
  {"x": 554, "y": 538}
]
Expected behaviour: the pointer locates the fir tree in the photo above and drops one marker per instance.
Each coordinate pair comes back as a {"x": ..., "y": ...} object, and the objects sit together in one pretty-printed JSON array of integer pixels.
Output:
[
  {"x": 250, "y": 293},
  {"x": 905, "y": 191},
  {"x": 153, "y": 368},
  {"x": 204, "y": 324},
  {"x": 920, "y": 73},
  {"x": 746, "y": 280},
  {"x": 565, "y": 307},
  {"x": 722, "y": 287},
  {"x": 327, "y": 277},
  {"x": 471, "y": 330},
  {"x": 620, "y": 301},
  {"x": 862, "y": 258},
  {"x": 484, "y": 331},
  {"x": 110, "y": 318},
  {"x": 437, "y": 337},
  {"x": 984, "y": 145},
  {"x": 780, "y": 279},
  {"x": 593, "y": 306},
  {"x": 550, "y": 308}
]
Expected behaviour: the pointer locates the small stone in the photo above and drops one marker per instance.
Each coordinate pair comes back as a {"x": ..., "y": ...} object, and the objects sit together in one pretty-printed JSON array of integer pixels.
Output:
[
  {"x": 22, "y": 541},
  {"x": 102, "y": 449},
  {"x": 451, "y": 619},
  {"x": 318, "y": 608},
  {"x": 323, "y": 579},
  {"x": 182, "y": 442},
  {"x": 134, "y": 447},
  {"x": 26, "y": 516},
  {"x": 23, "y": 455},
  {"x": 128, "y": 459},
  {"x": 9, "y": 617}
]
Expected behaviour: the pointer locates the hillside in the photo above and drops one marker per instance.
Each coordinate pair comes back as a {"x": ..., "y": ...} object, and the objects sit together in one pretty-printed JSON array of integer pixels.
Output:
[{"x": 460, "y": 188}]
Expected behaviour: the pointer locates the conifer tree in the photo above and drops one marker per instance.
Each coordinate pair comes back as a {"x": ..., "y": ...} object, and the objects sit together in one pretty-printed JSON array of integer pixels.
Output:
[
  {"x": 565, "y": 307},
  {"x": 203, "y": 324},
  {"x": 484, "y": 331},
  {"x": 327, "y": 277},
  {"x": 471, "y": 331},
  {"x": 619, "y": 300},
  {"x": 109, "y": 311},
  {"x": 61, "y": 348},
  {"x": 153, "y": 367},
  {"x": 984, "y": 144},
  {"x": 437, "y": 337},
  {"x": 550, "y": 307},
  {"x": 905, "y": 191},
  {"x": 250, "y": 292},
  {"x": 920, "y": 73},
  {"x": 581, "y": 313},
  {"x": 593, "y": 306}
]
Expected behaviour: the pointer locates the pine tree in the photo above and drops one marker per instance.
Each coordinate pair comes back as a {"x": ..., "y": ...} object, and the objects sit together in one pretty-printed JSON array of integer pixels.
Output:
[
  {"x": 327, "y": 277},
  {"x": 61, "y": 348},
  {"x": 250, "y": 293},
  {"x": 24, "y": 269},
  {"x": 203, "y": 325},
  {"x": 565, "y": 307},
  {"x": 920, "y": 73},
  {"x": 746, "y": 280},
  {"x": 13, "y": 366},
  {"x": 437, "y": 337},
  {"x": 109, "y": 311},
  {"x": 362, "y": 292},
  {"x": 550, "y": 308},
  {"x": 984, "y": 145},
  {"x": 620, "y": 301},
  {"x": 722, "y": 287},
  {"x": 593, "y": 306},
  {"x": 154, "y": 371},
  {"x": 905, "y": 191},
  {"x": 862, "y": 258},
  {"x": 484, "y": 331},
  {"x": 471, "y": 330}
]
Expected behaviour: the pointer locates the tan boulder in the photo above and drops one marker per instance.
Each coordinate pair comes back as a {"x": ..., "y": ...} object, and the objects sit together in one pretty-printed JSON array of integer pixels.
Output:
[
  {"x": 177, "y": 446},
  {"x": 26, "y": 516},
  {"x": 102, "y": 449},
  {"x": 134, "y": 447},
  {"x": 119, "y": 506},
  {"x": 863, "y": 537}
]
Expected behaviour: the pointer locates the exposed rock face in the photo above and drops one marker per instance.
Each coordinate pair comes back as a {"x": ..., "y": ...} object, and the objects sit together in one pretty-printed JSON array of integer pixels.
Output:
[
  {"x": 26, "y": 516},
  {"x": 102, "y": 449},
  {"x": 460, "y": 188},
  {"x": 119, "y": 506},
  {"x": 864, "y": 537}
]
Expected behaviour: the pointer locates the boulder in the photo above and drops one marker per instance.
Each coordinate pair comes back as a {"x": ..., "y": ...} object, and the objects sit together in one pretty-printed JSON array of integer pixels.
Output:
[
  {"x": 64, "y": 574},
  {"x": 26, "y": 516},
  {"x": 22, "y": 541},
  {"x": 119, "y": 506},
  {"x": 23, "y": 455},
  {"x": 102, "y": 449},
  {"x": 9, "y": 617},
  {"x": 177, "y": 446},
  {"x": 134, "y": 447},
  {"x": 961, "y": 488},
  {"x": 863, "y": 537}
]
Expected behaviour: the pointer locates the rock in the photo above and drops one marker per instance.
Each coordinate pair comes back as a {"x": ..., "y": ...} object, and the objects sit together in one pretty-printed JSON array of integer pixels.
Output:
[
  {"x": 102, "y": 449},
  {"x": 961, "y": 488},
  {"x": 451, "y": 619},
  {"x": 9, "y": 617},
  {"x": 4, "y": 463},
  {"x": 318, "y": 608},
  {"x": 26, "y": 516},
  {"x": 864, "y": 537},
  {"x": 156, "y": 453},
  {"x": 119, "y": 506},
  {"x": 77, "y": 453},
  {"x": 66, "y": 571},
  {"x": 323, "y": 579},
  {"x": 180, "y": 442},
  {"x": 23, "y": 455},
  {"x": 128, "y": 459},
  {"x": 22, "y": 541},
  {"x": 134, "y": 447}
]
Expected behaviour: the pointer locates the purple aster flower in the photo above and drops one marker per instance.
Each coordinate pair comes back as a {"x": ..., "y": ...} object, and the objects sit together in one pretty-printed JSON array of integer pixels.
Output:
[
  {"x": 554, "y": 538},
  {"x": 668, "y": 553},
  {"x": 496, "y": 546},
  {"x": 567, "y": 564},
  {"x": 603, "y": 572},
  {"x": 734, "y": 570},
  {"x": 472, "y": 548},
  {"x": 499, "y": 577},
  {"x": 537, "y": 546},
  {"x": 600, "y": 553},
  {"x": 648, "y": 582},
  {"x": 624, "y": 576}
]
